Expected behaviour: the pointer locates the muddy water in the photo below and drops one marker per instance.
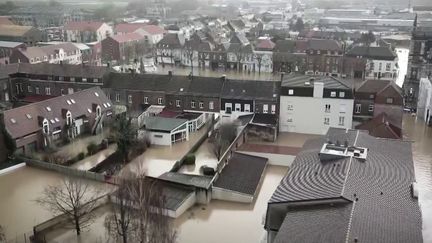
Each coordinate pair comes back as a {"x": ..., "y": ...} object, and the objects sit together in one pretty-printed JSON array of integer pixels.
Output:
[
  {"x": 422, "y": 153},
  {"x": 228, "y": 222},
  {"x": 18, "y": 190},
  {"x": 203, "y": 156}
]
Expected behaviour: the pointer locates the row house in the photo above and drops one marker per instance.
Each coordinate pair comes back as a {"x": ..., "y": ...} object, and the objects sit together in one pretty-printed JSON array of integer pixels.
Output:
[
  {"x": 373, "y": 98},
  {"x": 314, "y": 104},
  {"x": 47, "y": 80},
  {"x": 5, "y": 82},
  {"x": 194, "y": 94},
  {"x": 86, "y": 31},
  {"x": 218, "y": 57},
  {"x": 380, "y": 62},
  {"x": 323, "y": 57},
  {"x": 123, "y": 48},
  {"x": 286, "y": 58},
  {"x": 196, "y": 50},
  {"x": 169, "y": 49},
  {"x": 263, "y": 54},
  {"x": 152, "y": 33},
  {"x": 67, "y": 53},
  {"x": 46, "y": 123}
]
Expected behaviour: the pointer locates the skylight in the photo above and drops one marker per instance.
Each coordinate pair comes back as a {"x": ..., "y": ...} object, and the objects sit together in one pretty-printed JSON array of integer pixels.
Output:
[
  {"x": 56, "y": 119},
  {"x": 73, "y": 101},
  {"x": 28, "y": 116},
  {"x": 108, "y": 104},
  {"x": 13, "y": 120},
  {"x": 48, "y": 108},
  {"x": 97, "y": 95},
  {"x": 89, "y": 111},
  {"x": 52, "y": 121},
  {"x": 68, "y": 101}
]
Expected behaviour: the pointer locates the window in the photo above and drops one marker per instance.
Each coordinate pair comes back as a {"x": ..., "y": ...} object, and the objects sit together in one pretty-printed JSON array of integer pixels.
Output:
[
  {"x": 273, "y": 109},
  {"x": 265, "y": 108},
  {"x": 96, "y": 94},
  {"x": 341, "y": 121},
  {"x": 290, "y": 107},
  {"x": 389, "y": 100},
  {"x": 177, "y": 103},
  {"x": 37, "y": 90},
  {"x": 237, "y": 107},
  {"x": 388, "y": 66},
  {"x": 45, "y": 126},
  {"x": 28, "y": 116},
  {"x": 341, "y": 94},
  {"x": 290, "y": 92},
  {"x": 192, "y": 104},
  {"x": 326, "y": 121},
  {"x": 62, "y": 92},
  {"x": 68, "y": 118},
  {"x": 29, "y": 89},
  {"x": 201, "y": 105},
  {"x": 70, "y": 90},
  {"x": 98, "y": 111},
  {"x": 211, "y": 105},
  {"x": 130, "y": 99},
  {"x": 145, "y": 100},
  {"x": 380, "y": 66},
  {"x": 159, "y": 101},
  {"x": 327, "y": 108},
  {"x": 117, "y": 97},
  {"x": 371, "y": 96},
  {"x": 357, "y": 108},
  {"x": 333, "y": 94},
  {"x": 247, "y": 107},
  {"x": 73, "y": 101},
  {"x": 47, "y": 90},
  {"x": 371, "y": 108}
]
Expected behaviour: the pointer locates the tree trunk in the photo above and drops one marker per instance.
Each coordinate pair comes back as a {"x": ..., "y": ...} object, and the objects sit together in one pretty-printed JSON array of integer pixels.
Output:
[{"x": 77, "y": 225}]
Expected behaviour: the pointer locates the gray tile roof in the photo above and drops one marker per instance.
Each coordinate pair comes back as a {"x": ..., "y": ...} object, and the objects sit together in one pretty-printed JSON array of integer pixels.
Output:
[
  {"x": 374, "y": 52},
  {"x": 164, "y": 124},
  {"x": 296, "y": 80},
  {"x": 242, "y": 174},
  {"x": 185, "y": 179},
  {"x": 378, "y": 189},
  {"x": 65, "y": 70},
  {"x": 129, "y": 81},
  {"x": 246, "y": 89}
]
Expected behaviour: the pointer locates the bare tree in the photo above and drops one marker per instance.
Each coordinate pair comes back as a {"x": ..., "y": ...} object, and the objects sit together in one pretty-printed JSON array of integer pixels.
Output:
[
  {"x": 259, "y": 59},
  {"x": 223, "y": 137},
  {"x": 139, "y": 214},
  {"x": 124, "y": 135},
  {"x": 74, "y": 198}
]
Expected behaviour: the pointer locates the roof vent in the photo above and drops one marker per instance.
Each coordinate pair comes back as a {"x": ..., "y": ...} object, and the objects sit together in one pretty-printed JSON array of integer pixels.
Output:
[{"x": 331, "y": 152}]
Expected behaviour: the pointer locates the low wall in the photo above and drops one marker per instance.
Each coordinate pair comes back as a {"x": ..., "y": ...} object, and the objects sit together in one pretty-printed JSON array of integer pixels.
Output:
[
  {"x": 12, "y": 168},
  {"x": 273, "y": 159},
  {"x": 228, "y": 195}
]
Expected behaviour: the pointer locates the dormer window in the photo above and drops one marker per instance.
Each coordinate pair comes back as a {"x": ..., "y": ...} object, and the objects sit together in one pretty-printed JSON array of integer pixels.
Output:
[
  {"x": 98, "y": 111},
  {"x": 97, "y": 95},
  {"x": 68, "y": 118},
  {"x": 68, "y": 102},
  {"x": 45, "y": 126},
  {"x": 73, "y": 101},
  {"x": 89, "y": 110},
  {"x": 56, "y": 119}
]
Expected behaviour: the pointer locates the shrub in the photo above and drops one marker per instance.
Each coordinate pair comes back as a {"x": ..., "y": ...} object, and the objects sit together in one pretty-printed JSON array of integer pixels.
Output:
[
  {"x": 80, "y": 156},
  {"x": 190, "y": 159},
  {"x": 208, "y": 171},
  {"x": 92, "y": 148}
]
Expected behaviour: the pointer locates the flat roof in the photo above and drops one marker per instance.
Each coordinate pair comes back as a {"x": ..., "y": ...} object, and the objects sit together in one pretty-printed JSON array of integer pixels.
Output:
[{"x": 163, "y": 124}]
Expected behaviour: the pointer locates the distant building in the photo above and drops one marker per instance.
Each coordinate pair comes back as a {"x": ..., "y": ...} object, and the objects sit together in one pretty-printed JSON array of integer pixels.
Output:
[
  {"x": 347, "y": 186},
  {"x": 46, "y": 123},
  {"x": 6, "y": 49},
  {"x": 151, "y": 33},
  {"x": 264, "y": 56},
  {"x": 424, "y": 101},
  {"x": 123, "y": 48},
  {"x": 375, "y": 97},
  {"x": 66, "y": 53},
  {"x": 86, "y": 32},
  {"x": 314, "y": 104},
  {"x": 26, "y": 34},
  {"x": 169, "y": 49},
  {"x": 6, "y": 20},
  {"x": 380, "y": 62}
]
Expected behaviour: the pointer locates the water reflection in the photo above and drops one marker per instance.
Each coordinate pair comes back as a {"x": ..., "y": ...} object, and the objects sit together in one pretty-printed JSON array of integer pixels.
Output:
[{"x": 416, "y": 131}]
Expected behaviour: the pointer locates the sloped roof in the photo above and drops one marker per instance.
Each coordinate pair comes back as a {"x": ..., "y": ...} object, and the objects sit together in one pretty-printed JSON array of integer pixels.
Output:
[
  {"x": 372, "y": 86},
  {"x": 127, "y": 37},
  {"x": 324, "y": 44},
  {"x": 10, "y": 44},
  {"x": 378, "y": 190},
  {"x": 381, "y": 127},
  {"x": 84, "y": 25},
  {"x": 373, "y": 52},
  {"x": 247, "y": 89},
  {"x": 14, "y": 30},
  {"x": 64, "y": 70},
  {"x": 129, "y": 81},
  {"x": 172, "y": 40},
  {"x": 25, "y": 126},
  {"x": 265, "y": 44},
  {"x": 128, "y": 27},
  {"x": 36, "y": 51},
  {"x": 5, "y": 20},
  {"x": 299, "y": 80},
  {"x": 284, "y": 46},
  {"x": 153, "y": 29}
]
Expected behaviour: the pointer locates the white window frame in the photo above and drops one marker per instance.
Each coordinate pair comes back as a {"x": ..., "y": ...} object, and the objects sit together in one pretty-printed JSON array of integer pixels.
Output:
[
  {"x": 177, "y": 103},
  {"x": 130, "y": 99},
  {"x": 201, "y": 105},
  {"x": 333, "y": 94},
  {"x": 357, "y": 108},
  {"x": 342, "y": 94},
  {"x": 247, "y": 108},
  {"x": 29, "y": 88},
  {"x": 326, "y": 121},
  {"x": 290, "y": 92},
  {"x": 341, "y": 121},
  {"x": 211, "y": 105},
  {"x": 265, "y": 109},
  {"x": 273, "y": 109},
  {"x": 371, "y": 108},
  {"x": 37, "y": 91},
  {"x": 193, "y": 104},
  {"x": 145, "y": 100},
  {"x": 160, "y": 101},
  {"x": 47, "y": 90},
  {"x": 117, "y": 97}
]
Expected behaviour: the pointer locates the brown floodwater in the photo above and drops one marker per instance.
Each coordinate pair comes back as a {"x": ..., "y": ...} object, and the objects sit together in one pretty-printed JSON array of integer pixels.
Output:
[{"x": 421, "y": 135}]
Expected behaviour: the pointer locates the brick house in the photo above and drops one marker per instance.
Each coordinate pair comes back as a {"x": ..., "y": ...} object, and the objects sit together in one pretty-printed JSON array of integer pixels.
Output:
[
  {"x": 6, "y": 49},
  {"x": 123, "y": 48},
  {"x": 42, "y": 124},
  {"x": 86, "y": 31},
  {"x": 169, "y": 49},
  {"x": 324, "y": 57}
]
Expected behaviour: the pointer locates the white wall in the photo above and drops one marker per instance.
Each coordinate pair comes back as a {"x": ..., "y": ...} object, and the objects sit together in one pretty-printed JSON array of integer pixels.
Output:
[
  {"x": 159, "y": 138},
  {"x": 306, "y": 114},
  {"x": 394, "y": 70}
]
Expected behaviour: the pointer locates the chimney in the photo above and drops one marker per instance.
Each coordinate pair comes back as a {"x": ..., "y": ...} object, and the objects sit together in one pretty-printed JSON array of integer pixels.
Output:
[{"x": 318, "y": 89}]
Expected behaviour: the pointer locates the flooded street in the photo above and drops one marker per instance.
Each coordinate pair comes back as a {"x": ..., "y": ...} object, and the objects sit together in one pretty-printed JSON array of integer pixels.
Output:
[{"x": 416, "y": 131}]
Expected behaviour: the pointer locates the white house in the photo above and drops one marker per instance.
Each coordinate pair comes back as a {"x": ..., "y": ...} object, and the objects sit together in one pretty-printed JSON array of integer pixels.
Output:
[
  {"x": 67, "y": 53},
  {"x": 165, "y": 131},
  {"x": 424, "y": 101},
  {"x": 314, "y": 104},
  {"x": 381, "y": 61},
  {"x": 86, "y": 31}
]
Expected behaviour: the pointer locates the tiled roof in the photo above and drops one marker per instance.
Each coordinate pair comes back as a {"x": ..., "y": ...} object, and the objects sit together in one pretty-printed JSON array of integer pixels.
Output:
[
  {"x": 163, "y": 124},
  {"x": 128, "y": 27},
  {"x": 378, "y": 190},
  {"x": 24, "y": 125},
  {"x": 265, "y": 44},
  {"x": 171, "y": 40},
  {"x": 372, "y": 86},
  {"x": 127, "y": 37},
  {"x": 247, "y": 89},
  {"x": 284, "y": 46},
  {"x": 64, "y": 70},
  {"x": 14, "y": 30},
  {"x": 153, "y": 29},
  {"x": 5, "y": 20},
  {"x": 83, "y": 26},
  {"x": 298, "y": 80},
  {"x": 242, "y": 174},
  {"x": 128, "y": 81},
  {"x": 10, "y": 44},
  {"x": 374, "y": 52},
  {"x": 381, "y": 127},
  {"x": 36, "y": 51},
  {"x": 323, "y": 44}
]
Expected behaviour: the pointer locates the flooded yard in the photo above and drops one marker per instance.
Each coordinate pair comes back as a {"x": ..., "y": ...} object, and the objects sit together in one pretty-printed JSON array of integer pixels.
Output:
[
  {"x": 157, "y": 160},
  {"x": 18, "y": 190},
  {"x": 222, "y": 221},
  {"x": 203, "y": 156},
  {"x": 92, "y": 161},
  {"x": 288, "y": 139}
]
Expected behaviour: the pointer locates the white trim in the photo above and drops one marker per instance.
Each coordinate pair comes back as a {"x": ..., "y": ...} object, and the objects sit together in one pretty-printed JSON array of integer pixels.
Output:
[{"x": 12, "y": 168}]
